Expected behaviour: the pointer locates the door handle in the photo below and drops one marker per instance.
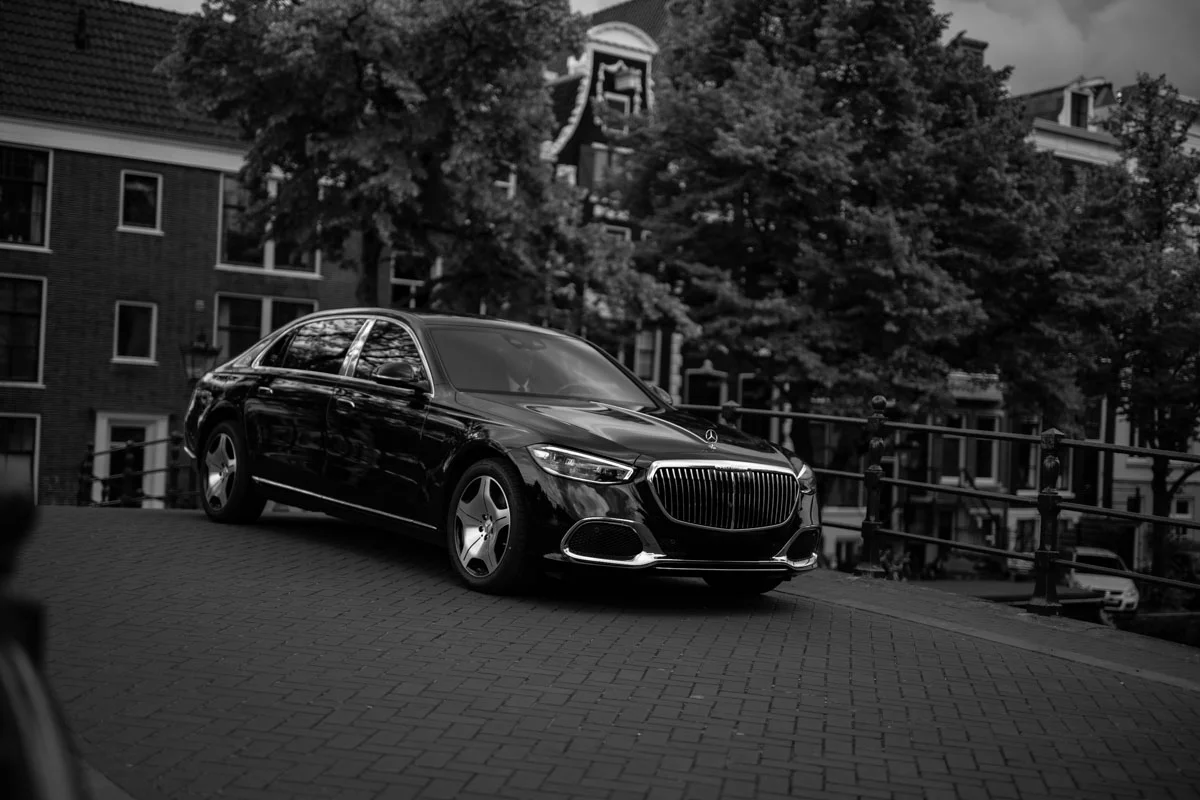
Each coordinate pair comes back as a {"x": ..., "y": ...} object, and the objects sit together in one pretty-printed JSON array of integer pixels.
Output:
[
  {"x": 265, "y": 391},
  {"x": 343, "y": 405}
]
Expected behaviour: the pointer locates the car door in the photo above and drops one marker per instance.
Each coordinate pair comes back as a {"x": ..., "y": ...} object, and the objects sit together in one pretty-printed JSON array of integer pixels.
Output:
[
  {"x": 287, "y": 409},
  {"x": 375, "y": 430}
]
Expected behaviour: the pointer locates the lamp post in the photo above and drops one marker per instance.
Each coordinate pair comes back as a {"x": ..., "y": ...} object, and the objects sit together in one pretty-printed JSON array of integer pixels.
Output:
[{"x": 199, "y": 357}]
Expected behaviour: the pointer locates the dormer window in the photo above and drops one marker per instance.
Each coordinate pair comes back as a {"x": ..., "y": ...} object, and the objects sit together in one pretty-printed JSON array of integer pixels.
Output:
[
  {"x": 1081, "y": 107},
  {"x": 618, "y": 102}
]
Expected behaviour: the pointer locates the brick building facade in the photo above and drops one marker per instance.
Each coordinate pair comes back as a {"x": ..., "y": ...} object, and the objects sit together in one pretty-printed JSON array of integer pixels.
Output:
[{"x": 120, "y": 243}]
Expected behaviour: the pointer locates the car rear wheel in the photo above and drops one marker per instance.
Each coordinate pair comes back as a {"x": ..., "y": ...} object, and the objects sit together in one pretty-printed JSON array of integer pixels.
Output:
[
  {"x": 743, "y": 584},
  {"x": 487, "y": 530},
  {"x": 226, "y": 491}
]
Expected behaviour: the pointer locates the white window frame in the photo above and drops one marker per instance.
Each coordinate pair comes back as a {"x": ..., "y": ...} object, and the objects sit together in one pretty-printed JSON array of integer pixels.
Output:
[
  {"x": 994, "y": 478},
  {"x": 268, "y": 267},
  {"x": 618, "y": 232},
  {"x": 1191, "y": 508},
  {"x": 37, "y": 444},
  {"x": 625, "y": 99},
  {"x": 44, "y": 247},
  {"x": 117, "y": 358},
  {"x": 40, "y": 383},
  {"x": 509, "y": 185},
  {"x": 124, "y": 227},
  {"x": 939, "y": 439},
  {"x": 265, "y": 313}
]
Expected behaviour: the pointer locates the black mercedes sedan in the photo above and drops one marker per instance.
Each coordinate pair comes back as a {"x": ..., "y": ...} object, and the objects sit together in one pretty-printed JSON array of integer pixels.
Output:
[{"x": 517, "y": 447}]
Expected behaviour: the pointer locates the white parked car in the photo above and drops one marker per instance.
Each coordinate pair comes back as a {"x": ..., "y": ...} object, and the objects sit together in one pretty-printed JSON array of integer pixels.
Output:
[{"x": 1120, "y": 594}]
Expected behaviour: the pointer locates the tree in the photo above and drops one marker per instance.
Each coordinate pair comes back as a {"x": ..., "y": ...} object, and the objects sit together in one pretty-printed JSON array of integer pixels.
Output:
[
  {"x": 388, "y": 119},
  {"x": 1139, "y": 302},
  {"x": 844, "y": 193}
]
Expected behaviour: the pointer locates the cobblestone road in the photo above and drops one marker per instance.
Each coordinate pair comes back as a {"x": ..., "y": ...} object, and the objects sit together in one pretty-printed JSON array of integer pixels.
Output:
[{"x": 305, "y": 658}]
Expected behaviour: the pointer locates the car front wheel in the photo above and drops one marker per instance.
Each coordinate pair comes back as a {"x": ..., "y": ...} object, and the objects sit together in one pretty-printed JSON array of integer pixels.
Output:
[
  {"x": 743, "y": 585},
  {"x": 226, "y": 491},
  {"x": 487, "y": 532}
]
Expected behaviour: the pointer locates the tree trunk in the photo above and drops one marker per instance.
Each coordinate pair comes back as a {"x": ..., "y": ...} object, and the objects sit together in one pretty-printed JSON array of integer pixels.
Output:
[{"x": 1161, "y": 496}]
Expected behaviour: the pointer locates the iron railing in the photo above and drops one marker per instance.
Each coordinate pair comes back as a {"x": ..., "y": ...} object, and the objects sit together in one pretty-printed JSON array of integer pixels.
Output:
[
  {"x": 1048, "y": 500},
  {"x": 124, "y": 486}
]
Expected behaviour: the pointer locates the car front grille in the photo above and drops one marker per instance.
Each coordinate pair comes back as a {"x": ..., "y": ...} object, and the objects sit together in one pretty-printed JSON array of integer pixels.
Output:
[{"x": 723, "y": 498}]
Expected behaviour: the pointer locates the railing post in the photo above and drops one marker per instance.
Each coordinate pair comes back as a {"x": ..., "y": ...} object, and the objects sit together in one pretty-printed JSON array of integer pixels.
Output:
[
  {"x": 873, "y": 477},
  {"x": 83, "y": 496},
  {"x": 174, "y": 455},
  {"x": 1045, "y": 589},
  {"x": 731, "y": 413},
  {"x": 126, "y": 477}
]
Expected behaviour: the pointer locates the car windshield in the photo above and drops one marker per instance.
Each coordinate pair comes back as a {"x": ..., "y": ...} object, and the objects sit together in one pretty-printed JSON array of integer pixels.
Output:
[
  {"x": 1110, "y": 562},
  {"x": 495, "y": 359}
]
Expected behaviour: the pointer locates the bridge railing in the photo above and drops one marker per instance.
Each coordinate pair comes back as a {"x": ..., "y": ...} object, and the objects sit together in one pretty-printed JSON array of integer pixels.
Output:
[
  {"x": 1048, "y": 501},
  {"x": 125, "y": 485}
]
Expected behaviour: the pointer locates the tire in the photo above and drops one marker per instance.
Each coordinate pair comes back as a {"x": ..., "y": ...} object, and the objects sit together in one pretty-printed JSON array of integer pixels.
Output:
[
  {"x": 227, "y": 492},
  {"x": 502, "y": 561},
  {"x": 743, "y": 585}
]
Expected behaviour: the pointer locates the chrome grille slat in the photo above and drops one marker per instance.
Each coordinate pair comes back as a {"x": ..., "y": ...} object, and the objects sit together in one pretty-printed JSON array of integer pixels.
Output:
[{"x": 725, "y": 497}]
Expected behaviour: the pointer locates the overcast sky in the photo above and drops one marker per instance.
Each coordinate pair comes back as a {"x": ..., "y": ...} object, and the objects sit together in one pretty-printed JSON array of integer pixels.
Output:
[{"x": 1051, "y": 41}]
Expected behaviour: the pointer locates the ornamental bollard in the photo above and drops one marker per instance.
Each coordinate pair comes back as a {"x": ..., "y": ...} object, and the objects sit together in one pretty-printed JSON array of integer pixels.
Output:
[
  {"x": 873, "y": 478},
  {"x": 1045, "y": 588},
  {"x": 83, "y": 497},
  {"x": 731, "y": 413}
]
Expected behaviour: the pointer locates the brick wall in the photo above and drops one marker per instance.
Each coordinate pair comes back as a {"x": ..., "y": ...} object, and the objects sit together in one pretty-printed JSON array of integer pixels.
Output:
[{"x": 91, "y": 266}]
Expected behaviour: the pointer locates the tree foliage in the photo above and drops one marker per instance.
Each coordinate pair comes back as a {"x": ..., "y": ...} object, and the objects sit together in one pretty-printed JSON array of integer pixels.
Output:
[
  {"x": 1137, "y": 294},
  {"x": 838, "y": 187},
  {"x": 390, "y": 119}
]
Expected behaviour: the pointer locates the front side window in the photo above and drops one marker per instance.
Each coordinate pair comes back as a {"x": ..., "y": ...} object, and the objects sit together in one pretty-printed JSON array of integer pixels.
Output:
[
  {"x": 141, "y": 201},
  {"x": 134, "y": 334},
  {"x": 486, "y": 359},
  {"x": 322, "y": 345},
  {"x": 388, "y": 342},
  {"x": 24, "y": 188},
  {"x": 21, "y": 308}
]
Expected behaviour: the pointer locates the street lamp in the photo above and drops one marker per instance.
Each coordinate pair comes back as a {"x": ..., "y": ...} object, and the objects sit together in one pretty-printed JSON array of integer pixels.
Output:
[{"x": 199, "y": 357}]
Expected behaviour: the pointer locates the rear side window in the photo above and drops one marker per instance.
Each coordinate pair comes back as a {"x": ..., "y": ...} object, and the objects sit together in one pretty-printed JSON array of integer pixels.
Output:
[
  {"x": 321, "y": 345},
  {"x": 275, "y": 353}
]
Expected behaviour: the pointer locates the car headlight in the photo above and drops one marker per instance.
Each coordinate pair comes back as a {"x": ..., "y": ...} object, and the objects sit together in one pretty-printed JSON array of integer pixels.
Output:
[
  {"x": 579, "y": 466},
  {"x": 806, "y": 479}
]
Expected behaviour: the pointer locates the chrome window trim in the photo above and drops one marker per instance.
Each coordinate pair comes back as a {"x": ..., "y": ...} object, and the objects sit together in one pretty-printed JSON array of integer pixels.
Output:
[{"x": 351, "y": 360}]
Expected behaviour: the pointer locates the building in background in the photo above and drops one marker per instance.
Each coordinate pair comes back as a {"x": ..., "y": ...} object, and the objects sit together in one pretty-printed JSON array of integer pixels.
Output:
[{"x": 122, "y": 241}]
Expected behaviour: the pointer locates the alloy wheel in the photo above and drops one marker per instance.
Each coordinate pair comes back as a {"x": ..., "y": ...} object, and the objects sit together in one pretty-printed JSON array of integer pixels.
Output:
[
  {"x": 482, "y": 523},
  {"x": 220, "y": 468}
]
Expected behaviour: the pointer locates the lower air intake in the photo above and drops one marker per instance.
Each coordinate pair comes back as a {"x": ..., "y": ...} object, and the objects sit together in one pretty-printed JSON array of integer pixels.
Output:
[{"x": 605, "y": 540}]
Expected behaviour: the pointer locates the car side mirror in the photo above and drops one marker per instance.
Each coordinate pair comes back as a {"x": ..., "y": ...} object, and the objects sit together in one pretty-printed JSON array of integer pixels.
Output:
[
  {"x": 663, "y": 394},
  {"x": 401, "y": 375}
]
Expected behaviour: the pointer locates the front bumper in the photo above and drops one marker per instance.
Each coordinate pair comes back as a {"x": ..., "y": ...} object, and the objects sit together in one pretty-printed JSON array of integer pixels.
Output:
[
  {"x": 623, "y": 526},
  {"x": 798, "y": 554}
]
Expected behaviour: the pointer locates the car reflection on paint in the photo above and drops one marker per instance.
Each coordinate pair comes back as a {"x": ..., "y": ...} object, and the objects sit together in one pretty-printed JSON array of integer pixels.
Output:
[{"x": 519, "y": 448}]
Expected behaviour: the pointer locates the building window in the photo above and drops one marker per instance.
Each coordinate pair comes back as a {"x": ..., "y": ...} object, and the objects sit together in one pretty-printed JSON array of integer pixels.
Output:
[
  {"x": 826, "y": 441},
  {"x": 141, "y": 202},
  {"x": 245, "y": 244},
  {"x": 24, "y": 196},
  {"x": 621, "y": 103},
  {"x": 22, "y": 312},
  {"x": 618, "y": 232},
  {"x": 599, "y": 165},
  {"x": 986, "y": 449},
  {"x": 18, "y": 452},
  {"x": 1181, "y": 508},
  {"x": 643, "y": 355},
  {"x": 951, "y": 451},
  {"x": 244, "y": 320},
  {"x": 506, "y": 181},
  {"x": 135, "y": 329},
  {"x": 1080, "y": 102},
  {"x": 566, "y": 173}
]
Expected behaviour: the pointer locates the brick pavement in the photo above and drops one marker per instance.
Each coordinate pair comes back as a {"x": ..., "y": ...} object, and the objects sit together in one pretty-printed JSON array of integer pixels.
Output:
[{"x": 307, "y": 658}]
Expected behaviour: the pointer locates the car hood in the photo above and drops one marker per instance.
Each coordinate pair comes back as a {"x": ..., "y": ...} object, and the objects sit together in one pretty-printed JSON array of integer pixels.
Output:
[
  {"x": 621, "y": 433},
  {"x": 1104, "y": 583}
]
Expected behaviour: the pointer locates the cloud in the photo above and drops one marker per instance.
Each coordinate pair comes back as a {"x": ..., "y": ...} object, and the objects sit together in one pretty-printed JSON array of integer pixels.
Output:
[{"x": 1050, "y": 42}]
